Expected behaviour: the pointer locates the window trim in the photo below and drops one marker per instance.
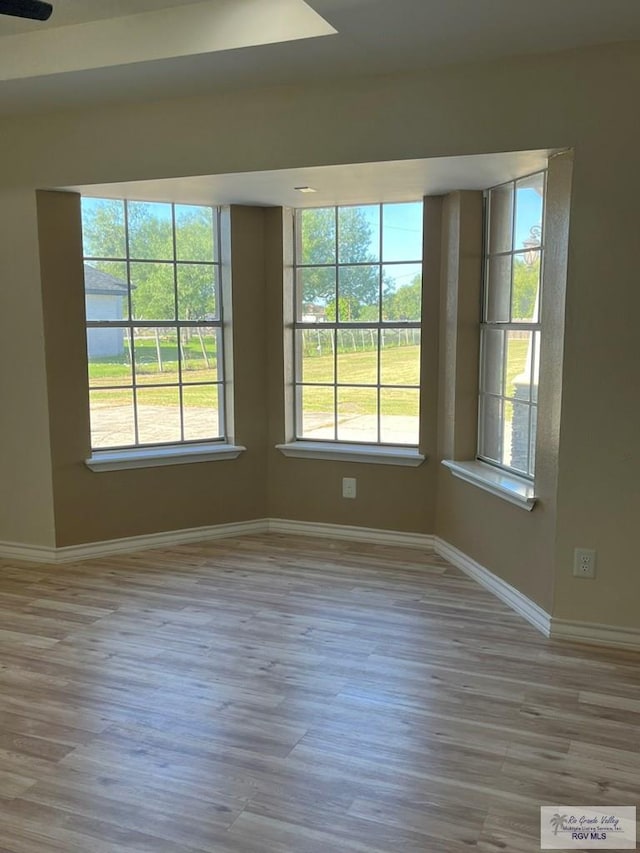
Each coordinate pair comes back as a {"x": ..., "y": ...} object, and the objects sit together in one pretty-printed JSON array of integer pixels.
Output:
[
  {"x": 506, "y": 485},
  {"x": 334, "y": 451},
  {"x": 160, "y": 455}
]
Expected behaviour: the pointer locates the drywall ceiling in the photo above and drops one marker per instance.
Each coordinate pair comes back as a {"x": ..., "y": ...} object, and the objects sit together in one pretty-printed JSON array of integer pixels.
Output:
[
  {"x": 371, "y": 37},
  {"x": 350, "y": 184}
]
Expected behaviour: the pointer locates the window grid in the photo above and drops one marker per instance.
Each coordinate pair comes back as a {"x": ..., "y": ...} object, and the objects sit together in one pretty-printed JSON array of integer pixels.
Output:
[
  {"x": 377, "y": 328},
  {"x": 129, "y": 326},
  {"x": 497, "y": 431}
]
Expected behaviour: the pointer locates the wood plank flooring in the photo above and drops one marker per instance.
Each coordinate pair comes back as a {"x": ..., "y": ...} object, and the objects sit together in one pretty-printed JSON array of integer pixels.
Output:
[{"x": 277, "y": 694}]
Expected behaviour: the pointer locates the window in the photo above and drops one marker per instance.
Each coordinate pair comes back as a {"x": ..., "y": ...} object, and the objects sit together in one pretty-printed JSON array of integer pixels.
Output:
[
  {"x": 510, "y": 330},
  {"x": 358, "y": 298},
  {"x": 154, "y": 323}
]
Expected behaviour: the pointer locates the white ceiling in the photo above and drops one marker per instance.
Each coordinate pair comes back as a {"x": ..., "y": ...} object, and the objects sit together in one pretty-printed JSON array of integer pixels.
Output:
[
  {"x": 403, "y": 180},
  {"x": 373, "y": 37}
]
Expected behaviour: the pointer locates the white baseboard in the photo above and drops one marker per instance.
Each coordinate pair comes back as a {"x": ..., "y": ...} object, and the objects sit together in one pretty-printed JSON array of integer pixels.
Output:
[
  {"x": 595, "y": 634},
  {"x": 74, "y": 553},
  {"x": 511, "y": 596},
  {"x": 356, "y": 534}
]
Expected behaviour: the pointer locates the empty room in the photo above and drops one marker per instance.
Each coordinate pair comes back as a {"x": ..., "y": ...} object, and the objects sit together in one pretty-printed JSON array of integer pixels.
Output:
[{"x": 319, "y": 426}]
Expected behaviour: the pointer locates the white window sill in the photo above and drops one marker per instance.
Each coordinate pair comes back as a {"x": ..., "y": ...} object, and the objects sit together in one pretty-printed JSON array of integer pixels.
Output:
[
  {"x": 152, "y": 457},
  {"x": 502, "y": 484},
  {"x": 370, "y": 453}
]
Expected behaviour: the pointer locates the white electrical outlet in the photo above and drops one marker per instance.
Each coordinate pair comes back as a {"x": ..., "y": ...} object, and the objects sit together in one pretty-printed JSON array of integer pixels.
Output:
[
  {"x": 584, "y": 563},
  {"x": 348, "y": 487}
]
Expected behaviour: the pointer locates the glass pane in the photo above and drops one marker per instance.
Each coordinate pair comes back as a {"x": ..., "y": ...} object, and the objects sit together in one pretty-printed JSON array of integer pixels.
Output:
[
  {"x": 516, "y": 446},
  {"x": 194, "y": 233},
  {"x": 492, "y": 360},
  {"x": 517, "y": 364},
  {"x": 156, "y": 356},
  {"x": 529, "y": 203},
  {"x": 112, "y": 423},
  {"x": 358, "y": 356},
  {"x": 400, "y": 357},
  {"x": 359, "y": 234},
  {"x": 316, "y": 411},
  {"x": 399, "y": 416},
  {"x": 500, "y": 219},
  {"x": 152, "y": 291},
  {"x": 491, "y": 428},
  {"x": 359, "y": 294},
  {"x": 158, "y": 415},
  {"x": 402, "y": 232},
  {"x": 526, "y": 286},
  {"x": 532, "y": 442},
  {"x": 199, "y": 349},
  {"x": 103, "y": 234},
  {"x": 314, "y": 352},
  {"x": 106, "y": 290},
  {"x": 150, "y": 230},
  {"x": 201, "y": 412},
  {"x": 357, "y": 414},
  {"x": 402, "y": 292},
  {"x": 316, "y": 236},
  {"x": 109, "y": 354},
  {"x": 197, "y": 292},
  {"x": 535, "y": 367},
  {"x": 498, "y": 289},
  {"x": 316, "y": 294}
]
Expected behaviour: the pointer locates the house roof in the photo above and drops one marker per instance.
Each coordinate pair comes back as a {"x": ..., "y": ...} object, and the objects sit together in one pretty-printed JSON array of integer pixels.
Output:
[{"x": 98, "y": 282}]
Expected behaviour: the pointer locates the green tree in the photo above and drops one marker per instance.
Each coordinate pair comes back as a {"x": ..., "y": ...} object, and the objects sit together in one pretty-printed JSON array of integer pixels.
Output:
[
  {"x": 525, "y": 288},
  {"x": 405, "y": 303}
]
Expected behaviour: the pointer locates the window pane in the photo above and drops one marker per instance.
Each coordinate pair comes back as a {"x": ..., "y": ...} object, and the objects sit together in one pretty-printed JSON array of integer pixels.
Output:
[
  {"x": 316, "y": 236},
  {"x": 316, "y": 295},
  {"x": 112, "y": 423},
  {"x": 103, "y": 234},
  {"x": 492, "y": 360},
  {"x": 150, "y": 230},
  {"x": 516, "y": 449},
  {"x": 535, "y": 367},
  {"x": 197, "y": 292},
  {"x": 402, "y": 232},
  {"x": 201, "y": 412},
  {"x": 529, "y": 195},
  {"x": 156, "y": 356},
  {"x": 357, "y": 414},
  {"x": 314, "y": 352},
  {"x": 194, "y": 233},
  {"x": 357, "y": 356},
  {"x": 399, "y": 416},
  {"x": 491, "y": 428},
  {"x": 359, "y": 294},
  {"x": 109, "y": 354},
  {"x": 199, "y": 349},
  {"x": 498, "y": 289},
  {"x": 106, "y": 290},
  {"x": 500, "y": 219},
  {"x": 517, "y": 364},
  {"x": 402, "y": 292},
  {"x": 400, "y": 357},
  {"x": 152, "y": 291},
  {"x": 532, "y": 442},
  {"x": 316, "y": 409},
  {"x": 359, "y": 234},
  {"x": 526, "y": 285},
  {"x": 158, "y": 415}
]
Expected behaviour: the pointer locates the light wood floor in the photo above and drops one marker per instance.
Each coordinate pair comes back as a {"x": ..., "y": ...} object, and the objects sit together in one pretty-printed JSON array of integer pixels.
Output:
[{"x": 282, "y": 694}]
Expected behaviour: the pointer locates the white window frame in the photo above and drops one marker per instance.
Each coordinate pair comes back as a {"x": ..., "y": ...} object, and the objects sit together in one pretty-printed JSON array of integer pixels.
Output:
[
  {"x": 215, "y": 447},
  {"x": 299, "y": 446}
]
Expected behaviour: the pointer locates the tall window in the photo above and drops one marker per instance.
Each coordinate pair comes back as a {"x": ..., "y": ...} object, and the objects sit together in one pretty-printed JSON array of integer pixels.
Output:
[
  {"x": 154, "y": 323},
  {"x": 358, "y": 297},
  {"x": 510, "y": 333}
]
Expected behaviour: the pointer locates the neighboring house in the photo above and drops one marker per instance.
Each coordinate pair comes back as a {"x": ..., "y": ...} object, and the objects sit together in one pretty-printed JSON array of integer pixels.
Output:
[{"x": 105, "y": 297}]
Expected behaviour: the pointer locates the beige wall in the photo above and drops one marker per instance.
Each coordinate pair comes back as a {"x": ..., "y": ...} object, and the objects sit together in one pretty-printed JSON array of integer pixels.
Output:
[
  {"x": 582, "y": 99},
  {"x": 92, "y": 506}
]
